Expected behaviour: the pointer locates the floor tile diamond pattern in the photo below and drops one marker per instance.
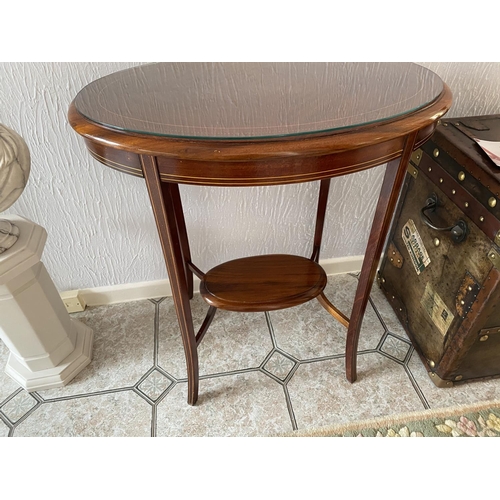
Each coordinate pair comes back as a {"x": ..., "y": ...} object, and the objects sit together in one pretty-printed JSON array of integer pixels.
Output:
[
  {"x": 18, "y": 406},
  {"x": 154, "y": 385},
  {"x": 258, "y": 377},
  {"x": 279, "y": 365},
  {"x": 396, "y": 347}
]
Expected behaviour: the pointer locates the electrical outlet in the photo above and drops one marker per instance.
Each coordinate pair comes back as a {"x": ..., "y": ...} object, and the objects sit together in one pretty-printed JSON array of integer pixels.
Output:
[{"x": 73, "y": 301}]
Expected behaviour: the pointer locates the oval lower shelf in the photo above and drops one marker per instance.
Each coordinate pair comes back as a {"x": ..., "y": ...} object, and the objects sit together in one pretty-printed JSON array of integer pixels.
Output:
[{"x": 263, "y": 283}]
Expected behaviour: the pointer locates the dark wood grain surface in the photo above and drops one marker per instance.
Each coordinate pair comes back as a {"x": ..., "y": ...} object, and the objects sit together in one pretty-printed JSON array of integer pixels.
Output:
[{"x": 263, "y": 283}]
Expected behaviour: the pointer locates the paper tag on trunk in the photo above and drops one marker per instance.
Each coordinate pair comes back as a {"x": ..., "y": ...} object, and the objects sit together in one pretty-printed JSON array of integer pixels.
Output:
[
  {"x": 435, "y": 307},
  {"x": 413, "y": 242}
]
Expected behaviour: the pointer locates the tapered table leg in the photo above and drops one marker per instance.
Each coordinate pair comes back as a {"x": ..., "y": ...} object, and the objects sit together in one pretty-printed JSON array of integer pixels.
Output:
[
  {"x": 164, "y": 200},
  {"x": 389, "y": 193},
  {"x": 183, "y": 237}
]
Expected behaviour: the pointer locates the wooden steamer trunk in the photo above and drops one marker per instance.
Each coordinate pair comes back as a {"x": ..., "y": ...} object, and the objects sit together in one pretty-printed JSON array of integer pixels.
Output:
[{"x": 441, "y": 264}]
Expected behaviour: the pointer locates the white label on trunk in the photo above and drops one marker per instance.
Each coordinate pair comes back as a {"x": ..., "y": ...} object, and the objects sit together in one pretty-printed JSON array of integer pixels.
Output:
[
  {"x": 413, "y": 242},
  {"x": 434, "y": 306}
]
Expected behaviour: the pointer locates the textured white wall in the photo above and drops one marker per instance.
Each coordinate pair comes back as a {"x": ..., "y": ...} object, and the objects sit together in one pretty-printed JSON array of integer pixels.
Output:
[{"x": 100, "y": 224}]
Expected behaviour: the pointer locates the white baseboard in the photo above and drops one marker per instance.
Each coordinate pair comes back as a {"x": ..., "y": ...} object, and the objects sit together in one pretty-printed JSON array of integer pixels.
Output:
[
  {"x": 115, "y": 294},
  {"x": 342, "y": 265}
]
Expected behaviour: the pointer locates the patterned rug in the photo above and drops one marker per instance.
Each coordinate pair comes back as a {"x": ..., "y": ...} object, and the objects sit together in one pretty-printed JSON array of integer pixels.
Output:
[{"x": 478, "y": 420}]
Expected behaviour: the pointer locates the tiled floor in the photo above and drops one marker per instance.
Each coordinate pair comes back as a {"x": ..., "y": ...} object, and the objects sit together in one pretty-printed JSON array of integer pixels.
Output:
[{"x": 261, "y": 374}]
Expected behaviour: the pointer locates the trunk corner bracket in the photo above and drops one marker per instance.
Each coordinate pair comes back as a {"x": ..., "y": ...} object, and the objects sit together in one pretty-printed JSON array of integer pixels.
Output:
[{"x": 438, "y": 381}]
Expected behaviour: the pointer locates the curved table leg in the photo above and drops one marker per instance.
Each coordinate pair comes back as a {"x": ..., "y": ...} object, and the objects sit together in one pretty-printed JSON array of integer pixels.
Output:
[
  {"x": 183, "y": 238},
  {"x": 389, "y": 193},
  {"x": 163, "y": 200}
]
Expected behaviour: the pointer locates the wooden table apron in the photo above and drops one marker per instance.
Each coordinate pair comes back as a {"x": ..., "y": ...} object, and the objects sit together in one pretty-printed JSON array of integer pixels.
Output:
[{"x": 166, "y": 162}]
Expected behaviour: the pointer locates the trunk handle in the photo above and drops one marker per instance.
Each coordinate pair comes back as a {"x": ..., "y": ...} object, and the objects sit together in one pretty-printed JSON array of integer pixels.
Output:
[{"x": 458, "y": 230}]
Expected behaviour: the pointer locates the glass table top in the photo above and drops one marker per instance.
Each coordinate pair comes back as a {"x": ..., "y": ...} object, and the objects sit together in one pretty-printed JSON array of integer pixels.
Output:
[{"x": 242, "y": 101}]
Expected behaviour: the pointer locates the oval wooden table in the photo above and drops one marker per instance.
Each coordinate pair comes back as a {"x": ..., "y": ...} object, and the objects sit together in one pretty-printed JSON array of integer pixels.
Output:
[{"x": 256, "y": 124}]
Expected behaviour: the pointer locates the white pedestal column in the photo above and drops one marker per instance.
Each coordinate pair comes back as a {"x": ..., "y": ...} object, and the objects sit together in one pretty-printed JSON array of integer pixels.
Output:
[{"x": 47, "y": 347}]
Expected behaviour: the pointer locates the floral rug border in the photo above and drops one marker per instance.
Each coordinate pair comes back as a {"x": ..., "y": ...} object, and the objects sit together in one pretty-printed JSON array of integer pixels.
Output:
[{"x": 477, "y": 420}]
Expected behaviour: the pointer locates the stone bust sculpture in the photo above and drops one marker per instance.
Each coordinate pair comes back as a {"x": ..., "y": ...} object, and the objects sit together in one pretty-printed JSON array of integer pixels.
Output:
[{"x": 14, "y": 173}]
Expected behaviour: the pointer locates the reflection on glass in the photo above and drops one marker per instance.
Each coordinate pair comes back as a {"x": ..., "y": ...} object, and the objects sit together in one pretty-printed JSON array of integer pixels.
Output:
[{"x": 250, "y": 100}]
